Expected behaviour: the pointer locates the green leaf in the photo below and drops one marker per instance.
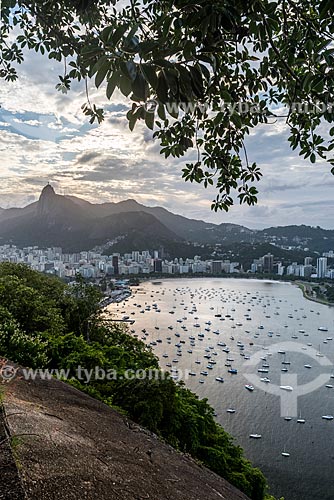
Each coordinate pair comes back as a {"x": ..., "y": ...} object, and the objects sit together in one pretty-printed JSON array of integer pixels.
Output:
[
  {"x": 197, "y": 81},
  {"x": 235, "y": 118},
  {"x": 150, "y": 75},
  {"x": 140, "y": 87},
  {"x": 118, "y": 33},
  {"x": 129, "y": 69},
  {"x": 162, "y": 88},
  {"x": 113, "y": 82},
  {"x": 101, "y": 74},
  {"x": 99, "y": 63},
  {"x": 105, "y": 34},
  {"x": 189, "y": 50},
  {"x": 149, "y": 120},
  {"x": 307, "y": 81},
  {"x": 125, "y": 85},
  {"x": 162, "y": 112},
  {"x": 318, "y": 84}
]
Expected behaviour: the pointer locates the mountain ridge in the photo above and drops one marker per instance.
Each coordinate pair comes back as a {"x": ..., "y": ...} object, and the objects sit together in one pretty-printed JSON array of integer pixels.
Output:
[{"x": 77, "y": 224}]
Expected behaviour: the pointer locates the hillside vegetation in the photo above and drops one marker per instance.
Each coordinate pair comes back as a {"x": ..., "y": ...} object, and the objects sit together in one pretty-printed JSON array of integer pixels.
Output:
[{"x": 47, "y": 324}]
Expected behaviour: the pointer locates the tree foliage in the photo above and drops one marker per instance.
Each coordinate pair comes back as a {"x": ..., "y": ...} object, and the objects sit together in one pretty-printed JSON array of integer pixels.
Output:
[{"x": 201, "y": 73}]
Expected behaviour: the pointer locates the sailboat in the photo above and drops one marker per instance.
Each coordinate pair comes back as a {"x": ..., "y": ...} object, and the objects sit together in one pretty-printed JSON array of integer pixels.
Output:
[
  {"x": 285, "y": 454},
  {"x": 286, "y": 387},
  {"x": 285, "y": 362},
  {"x": 192, "y": 373},
  {"x": 300, "y": 420},
  {"x": 217, "y": 315},
  {"x": 319, "y": 354}
]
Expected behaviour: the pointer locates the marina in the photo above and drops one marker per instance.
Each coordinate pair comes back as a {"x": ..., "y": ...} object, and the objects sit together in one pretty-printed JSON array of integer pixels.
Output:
[{"x": 207, "y": 331}]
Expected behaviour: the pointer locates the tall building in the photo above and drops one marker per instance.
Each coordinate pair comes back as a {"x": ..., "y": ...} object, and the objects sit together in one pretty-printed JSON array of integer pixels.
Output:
[
  {"x": 157, "y": 265},
  {"x": 321, "y": 267},
  {"x": 308, "y": 261},
  {"x": 268, "y": 263},
  {"x": 307, "y": 270},
  {"x": 216, "y": 266},
  {"x": 135, "y": 256},
  {"x": 278, "y": 269},
  {"x": 115, "y": 264}
]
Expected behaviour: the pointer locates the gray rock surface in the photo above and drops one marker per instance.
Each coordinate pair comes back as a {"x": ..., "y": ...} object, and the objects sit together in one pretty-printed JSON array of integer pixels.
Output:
[{"x": 71, "y": 446}]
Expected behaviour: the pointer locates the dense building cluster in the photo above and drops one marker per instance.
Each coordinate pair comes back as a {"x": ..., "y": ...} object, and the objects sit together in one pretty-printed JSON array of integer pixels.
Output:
[
  {"x": 319, "y": 269},
  {"x": 93, "y": 264}
]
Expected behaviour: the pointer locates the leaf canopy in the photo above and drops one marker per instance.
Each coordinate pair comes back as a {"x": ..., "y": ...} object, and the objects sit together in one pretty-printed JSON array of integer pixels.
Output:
[{"x": 200, "y": 73}]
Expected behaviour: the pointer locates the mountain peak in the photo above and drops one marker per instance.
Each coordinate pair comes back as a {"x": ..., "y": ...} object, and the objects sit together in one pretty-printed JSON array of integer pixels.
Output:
[
  {"x": 47, "y": 191},
  {"x": 46, "y": 200}
]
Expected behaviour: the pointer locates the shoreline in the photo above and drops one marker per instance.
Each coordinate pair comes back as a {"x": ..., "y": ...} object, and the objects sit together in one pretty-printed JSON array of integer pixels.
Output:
[{"x": 303, "y": 288}]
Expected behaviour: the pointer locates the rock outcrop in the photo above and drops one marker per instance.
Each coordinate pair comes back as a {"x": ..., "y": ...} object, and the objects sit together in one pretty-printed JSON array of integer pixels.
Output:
[{"x": 69, "y": 445}]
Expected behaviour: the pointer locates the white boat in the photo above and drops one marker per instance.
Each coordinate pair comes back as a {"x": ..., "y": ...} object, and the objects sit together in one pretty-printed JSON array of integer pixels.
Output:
[
  {"x": 327, "y": 417},
  {"x": 300, "y": 420},
  {"x": 329, "y": 386},
  {"x": 307, "y": 366},
  {"x": 266, "y": 380},
  {"x": 288, "y": 419},
  {"x": 219, "y": 379},
  {"x": 230, "y": 410},
  {"x": 285, "y": 454},
  {"x": 322, "y": 329},
  {"x": 255, "y": 436},
  {"x": 286, "y": 387},
  {"x": 249, "y": 387}
]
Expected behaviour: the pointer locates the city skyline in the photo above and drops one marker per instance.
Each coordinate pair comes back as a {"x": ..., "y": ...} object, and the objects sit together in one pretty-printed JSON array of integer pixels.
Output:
[
  {"x": 47, "y": 138},
  {"x": 95, "y": 264}
]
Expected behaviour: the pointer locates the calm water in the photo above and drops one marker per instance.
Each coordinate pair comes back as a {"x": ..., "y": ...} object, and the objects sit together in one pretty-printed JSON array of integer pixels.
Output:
[{"x": 279, "y": 308}]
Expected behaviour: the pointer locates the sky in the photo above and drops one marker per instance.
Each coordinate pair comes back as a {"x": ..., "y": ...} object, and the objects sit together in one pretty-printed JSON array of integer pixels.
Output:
[{"x": 44, "y": 137}]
